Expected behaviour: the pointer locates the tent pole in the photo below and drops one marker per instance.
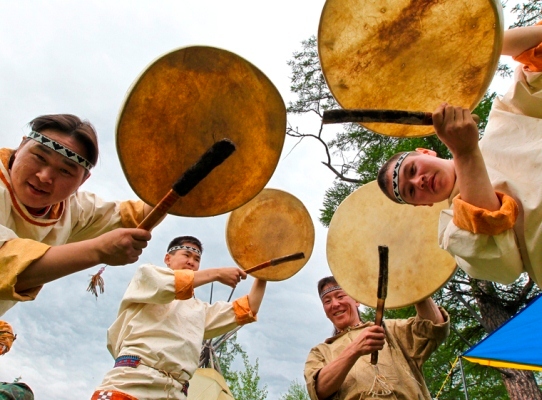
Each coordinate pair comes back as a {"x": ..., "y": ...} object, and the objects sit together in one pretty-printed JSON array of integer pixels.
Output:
[{"x": 463, "y": 378}]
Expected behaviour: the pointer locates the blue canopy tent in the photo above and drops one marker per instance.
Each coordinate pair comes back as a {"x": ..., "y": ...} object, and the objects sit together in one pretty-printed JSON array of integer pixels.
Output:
[{"x": 516, "y": 344}]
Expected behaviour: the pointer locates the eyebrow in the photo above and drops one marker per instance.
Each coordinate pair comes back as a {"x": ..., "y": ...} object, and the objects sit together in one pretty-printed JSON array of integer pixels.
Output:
[{"x": 65, "y": 160}]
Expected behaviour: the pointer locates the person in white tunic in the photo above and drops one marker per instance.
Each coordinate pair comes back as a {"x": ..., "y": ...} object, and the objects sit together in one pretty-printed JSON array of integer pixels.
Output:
[
  {"x": 494, "y": 228},
  {"x": 48, "y": 229},
  {"x": 157, "y": 336}
]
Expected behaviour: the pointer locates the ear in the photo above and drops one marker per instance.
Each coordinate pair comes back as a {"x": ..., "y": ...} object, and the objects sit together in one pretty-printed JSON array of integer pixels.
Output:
[
  {"x": 427, "y": 152},
  {"x": 85, "y": 178},
  {"x": 166, "y": 259}
]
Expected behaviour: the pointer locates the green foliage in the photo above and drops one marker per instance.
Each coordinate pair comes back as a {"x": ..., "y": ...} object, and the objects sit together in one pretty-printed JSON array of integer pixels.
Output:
[
  {"x": 296, "y": 391},
  {"x": 354, "y": 154},
  {"x": 243, "y": 384}
]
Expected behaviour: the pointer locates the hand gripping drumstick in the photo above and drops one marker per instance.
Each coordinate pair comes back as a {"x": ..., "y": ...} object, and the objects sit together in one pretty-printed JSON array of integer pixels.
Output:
[
  {"x": 270, "y": 263},
  {"x": 211, "y": 159},
  {"x": 387, "y": 116},
  {"x": 382, "y": 292}
]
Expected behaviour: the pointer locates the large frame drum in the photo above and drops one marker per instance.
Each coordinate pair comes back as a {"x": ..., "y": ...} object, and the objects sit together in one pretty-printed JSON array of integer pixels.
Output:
[
  {"x": 409, "y": 55},
  {"x": 417, "y": 266}
]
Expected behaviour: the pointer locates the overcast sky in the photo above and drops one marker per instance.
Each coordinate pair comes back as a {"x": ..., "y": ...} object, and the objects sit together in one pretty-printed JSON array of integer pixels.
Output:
[{"x": 80, "y": 58}]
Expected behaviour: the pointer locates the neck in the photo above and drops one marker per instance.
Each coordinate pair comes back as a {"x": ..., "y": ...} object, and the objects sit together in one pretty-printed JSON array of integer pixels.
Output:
[
  {"x": 349, "y": 327},
  {"x": 38, "y": 212}
]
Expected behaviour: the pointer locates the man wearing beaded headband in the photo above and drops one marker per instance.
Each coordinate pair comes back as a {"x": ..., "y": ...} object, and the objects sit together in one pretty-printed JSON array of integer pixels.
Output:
[
  {"x": 47, "y": 228},
  {"x": 156, "y": 339},
  {"x": 340, "y": 367},
  {"x": 494, "y": 228}
]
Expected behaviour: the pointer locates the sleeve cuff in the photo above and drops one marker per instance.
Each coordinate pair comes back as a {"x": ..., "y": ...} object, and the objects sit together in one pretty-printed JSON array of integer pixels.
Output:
[
  {"x": 479, "y": 220},
  {"x": 6, "y": 337},
  {"x": 184, "y": 284},
  {"x": 243, "y": 313},
  {"x": 531, "y": 58},
  {"x": 16, "y": 256},
  {"x": 131, "y": 213}
]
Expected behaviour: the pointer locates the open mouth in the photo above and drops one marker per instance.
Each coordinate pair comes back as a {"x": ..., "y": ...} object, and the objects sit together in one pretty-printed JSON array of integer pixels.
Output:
[
  {"x": 37, "y": 190},
  {"x": 338, "y": 313}
]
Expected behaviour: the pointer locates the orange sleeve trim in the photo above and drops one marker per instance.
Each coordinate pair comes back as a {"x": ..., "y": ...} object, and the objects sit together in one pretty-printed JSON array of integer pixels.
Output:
[
  {"x": 479, "y": 220},
  {"x": 531, "y": 58},
  {"x": 6, "y": 337},
  {"x": 17, "y": 255},
  {"x": 184, "y": 284},
  {"x": 131, "y": 213},
  {"x": 243, "y": 313}
]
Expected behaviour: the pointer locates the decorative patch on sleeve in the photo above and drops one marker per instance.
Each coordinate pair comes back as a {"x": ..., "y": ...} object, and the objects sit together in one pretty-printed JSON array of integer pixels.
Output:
[
  {"x": 184, "y": 284},
  {"x": 531, "y": 58},
  {"x": 479, "y": 220},
  {"x": 243, "y": 313},
  {"x": 131, "y": 213}
]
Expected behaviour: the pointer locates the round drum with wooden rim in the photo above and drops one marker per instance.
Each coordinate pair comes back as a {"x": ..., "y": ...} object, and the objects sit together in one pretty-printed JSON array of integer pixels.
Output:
[
  {"x": 272, "y": 225},
  {"x": 418, "y": 267},
  {"x": 409, "y": 55},
  {"x": 182, "y": 104}
]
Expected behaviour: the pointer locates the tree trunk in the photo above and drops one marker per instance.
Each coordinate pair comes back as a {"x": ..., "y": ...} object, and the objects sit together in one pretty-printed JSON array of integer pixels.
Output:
[{"x": 520, "y": 384}]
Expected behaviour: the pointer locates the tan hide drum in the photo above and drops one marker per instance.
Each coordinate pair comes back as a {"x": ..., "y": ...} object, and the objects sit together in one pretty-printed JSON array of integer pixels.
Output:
[
  {"x": 182, "y": 104},
  {"x": 273, "y": 224},
  {"x": 418, "y": 267},
  {"x": 409, "y": 55}
]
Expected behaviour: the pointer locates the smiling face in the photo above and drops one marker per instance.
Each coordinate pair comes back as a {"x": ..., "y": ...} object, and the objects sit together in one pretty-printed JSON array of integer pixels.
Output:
[
  {"x": 341, "y": 309},
  {"x": 424, "y": 178},
  {"x": 183, "y": 258},
  {"x": 42, "y": 177}
]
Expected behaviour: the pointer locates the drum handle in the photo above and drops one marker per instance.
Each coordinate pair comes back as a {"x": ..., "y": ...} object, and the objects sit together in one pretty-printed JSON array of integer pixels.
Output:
[
  {"x": 387, "y": 116},
  {"x": 212, "y": 158},
  {"x": 382, "y": 292}
]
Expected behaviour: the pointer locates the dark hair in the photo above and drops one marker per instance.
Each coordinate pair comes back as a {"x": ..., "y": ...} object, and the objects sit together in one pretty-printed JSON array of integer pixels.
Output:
[
  {"x": 324, "y": 282},
  {"x": 383, "y": 178},
  {"x": 70, "y": 125},
  {"x": 180, "y": 240}
]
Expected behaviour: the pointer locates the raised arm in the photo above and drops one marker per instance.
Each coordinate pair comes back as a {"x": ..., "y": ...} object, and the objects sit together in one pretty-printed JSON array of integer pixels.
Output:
[
  {"x": 458, "y": 131},
  {"x": 517, "y": 40},
  {"x": 427, "y": 309},
  {"x": 230, "y": 276}
]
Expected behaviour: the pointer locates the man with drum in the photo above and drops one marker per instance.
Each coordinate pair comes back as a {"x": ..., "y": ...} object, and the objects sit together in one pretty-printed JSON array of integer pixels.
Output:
[
  {"x": 156, "y": 339},
  {"x": 47, "y": 228},
  {"x": 495, "y": 185},
  {"x": 341, "y": 365}
]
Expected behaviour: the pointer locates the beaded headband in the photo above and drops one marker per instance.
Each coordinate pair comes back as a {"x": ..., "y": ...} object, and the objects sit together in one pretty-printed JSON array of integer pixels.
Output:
[
  {"x": 61, "y": 149},
  {"x": 395, "y": 178},
  {"x": 329, "y": 289},
  {"x": 183, "y": 247}
]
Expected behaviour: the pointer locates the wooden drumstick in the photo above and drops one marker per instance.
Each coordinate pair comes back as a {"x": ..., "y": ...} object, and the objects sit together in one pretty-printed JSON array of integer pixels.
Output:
[
  {"x": 275, "y": 261},
  {"x": 382, "y": 292},
  {"x": 211, "y": 159},
  {"x": 386, "y": 116},
  {"x": 270, "y": 263}
]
